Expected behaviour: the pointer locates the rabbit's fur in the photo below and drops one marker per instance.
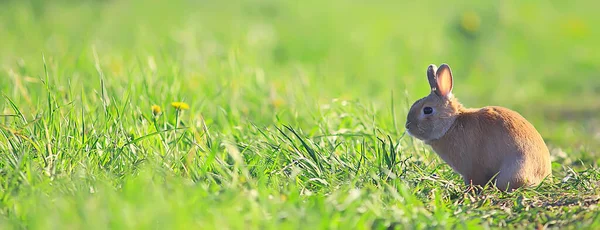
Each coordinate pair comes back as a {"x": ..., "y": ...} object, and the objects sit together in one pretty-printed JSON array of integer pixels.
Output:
[{"x": 480, "y": 144}]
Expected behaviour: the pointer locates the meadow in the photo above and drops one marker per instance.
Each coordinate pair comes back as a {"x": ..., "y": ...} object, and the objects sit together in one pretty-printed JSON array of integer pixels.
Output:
[{"x": 264, "y": 114}]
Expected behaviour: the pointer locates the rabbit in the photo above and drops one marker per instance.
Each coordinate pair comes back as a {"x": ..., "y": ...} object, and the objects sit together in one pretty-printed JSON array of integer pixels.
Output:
[{"x": 478, "y": 143}]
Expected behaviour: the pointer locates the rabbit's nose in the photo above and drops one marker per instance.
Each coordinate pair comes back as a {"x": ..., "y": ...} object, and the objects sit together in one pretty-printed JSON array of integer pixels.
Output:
[{"x": 406, "y": 126}]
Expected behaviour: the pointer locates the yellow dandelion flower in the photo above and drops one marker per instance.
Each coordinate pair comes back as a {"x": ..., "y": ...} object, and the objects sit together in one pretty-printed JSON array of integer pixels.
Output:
[
  {"x": 276, "y": 103},
  {"x": 180, "y": 105},
  {"x": 156, "y": 110},
  {"x": 575, "y": 27},
  {"x": 471, "y": 21}
]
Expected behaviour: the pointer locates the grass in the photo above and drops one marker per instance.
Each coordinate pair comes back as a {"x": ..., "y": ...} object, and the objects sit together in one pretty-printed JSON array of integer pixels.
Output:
[{"x": 296, "y": 113}]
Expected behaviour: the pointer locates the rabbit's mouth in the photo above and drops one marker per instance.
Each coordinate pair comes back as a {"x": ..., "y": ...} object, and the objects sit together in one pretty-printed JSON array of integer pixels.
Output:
[
  {"x": 407, "y": 128},
  {"x": 416, "y": 134},
  {"x": 408, "y": 132}
]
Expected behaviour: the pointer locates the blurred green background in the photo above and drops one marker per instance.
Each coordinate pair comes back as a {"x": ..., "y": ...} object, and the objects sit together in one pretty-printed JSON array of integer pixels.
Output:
[
  {"x": 537, "y": 57},
  {"x": 268, "y": 63}
]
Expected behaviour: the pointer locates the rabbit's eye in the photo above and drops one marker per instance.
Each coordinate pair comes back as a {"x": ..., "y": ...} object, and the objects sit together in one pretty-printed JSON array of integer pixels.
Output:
[{"x": 427, "y": 110}]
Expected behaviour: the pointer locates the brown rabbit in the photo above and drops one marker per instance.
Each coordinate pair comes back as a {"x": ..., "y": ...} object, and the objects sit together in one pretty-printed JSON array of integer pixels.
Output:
[{"x": 480, "y": 144}]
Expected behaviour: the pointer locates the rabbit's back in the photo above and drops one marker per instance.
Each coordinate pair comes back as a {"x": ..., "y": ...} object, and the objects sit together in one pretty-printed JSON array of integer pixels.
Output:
[
  {"x": 503, "y": 129},
  {"x": 517, "y": 140}
]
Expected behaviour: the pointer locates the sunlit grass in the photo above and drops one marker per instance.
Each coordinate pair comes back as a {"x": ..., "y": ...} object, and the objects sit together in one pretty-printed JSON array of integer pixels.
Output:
[{"x": 275, "y": 114}]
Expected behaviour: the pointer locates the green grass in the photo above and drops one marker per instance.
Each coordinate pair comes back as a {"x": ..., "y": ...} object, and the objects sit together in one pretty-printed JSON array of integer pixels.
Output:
[{"x": 296, "y": 113}]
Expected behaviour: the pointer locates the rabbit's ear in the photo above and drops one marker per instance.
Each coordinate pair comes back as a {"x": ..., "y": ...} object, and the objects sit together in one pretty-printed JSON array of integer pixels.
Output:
[
  {"x": 444, "y": 80},
  {"x": 431, "y": 76}
]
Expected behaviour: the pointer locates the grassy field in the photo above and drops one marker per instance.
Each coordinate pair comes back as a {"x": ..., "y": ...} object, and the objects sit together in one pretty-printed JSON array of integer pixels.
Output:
[{"x": 296, "y": 112}]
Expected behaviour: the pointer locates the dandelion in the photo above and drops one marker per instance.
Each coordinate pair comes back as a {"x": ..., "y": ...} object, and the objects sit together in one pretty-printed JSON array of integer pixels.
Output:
[
  {"x": 156, "y": 111},
  {"x": 276, "y": 103},
  {"x": 574, "y": 27},
  {"x": 470, "y": 21},
  {"x": 180, "y": 105}
]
